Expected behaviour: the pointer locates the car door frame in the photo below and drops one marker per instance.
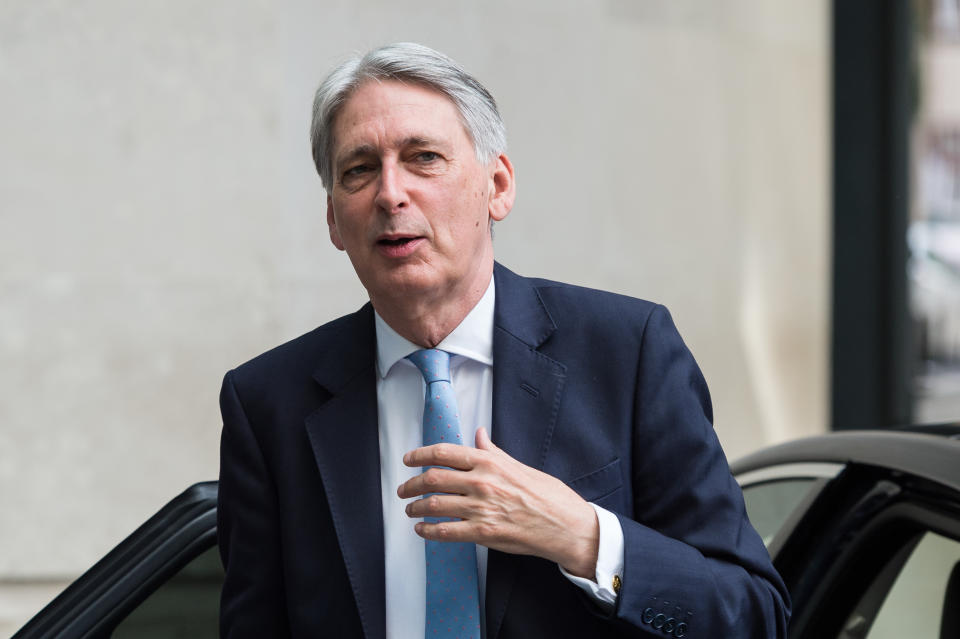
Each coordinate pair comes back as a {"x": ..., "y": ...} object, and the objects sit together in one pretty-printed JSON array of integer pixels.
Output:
[{"x": 106, "y": 593}]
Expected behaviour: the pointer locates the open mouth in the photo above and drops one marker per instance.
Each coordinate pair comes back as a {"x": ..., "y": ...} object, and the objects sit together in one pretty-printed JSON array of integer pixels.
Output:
[
  {"x": 398, "y": 246},
  {"x": 398, "y": 241}
]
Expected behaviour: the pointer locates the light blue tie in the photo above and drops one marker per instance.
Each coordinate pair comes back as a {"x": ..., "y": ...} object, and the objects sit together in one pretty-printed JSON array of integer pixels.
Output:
[{"x": 453, "y": 609}]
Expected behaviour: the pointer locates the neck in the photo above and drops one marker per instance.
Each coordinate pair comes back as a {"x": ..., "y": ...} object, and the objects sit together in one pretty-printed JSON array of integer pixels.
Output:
[{"x": 426, "y": 320}]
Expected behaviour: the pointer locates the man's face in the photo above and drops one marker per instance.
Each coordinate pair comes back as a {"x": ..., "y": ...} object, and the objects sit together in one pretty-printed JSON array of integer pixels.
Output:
[{"x": 410, "y": 203}]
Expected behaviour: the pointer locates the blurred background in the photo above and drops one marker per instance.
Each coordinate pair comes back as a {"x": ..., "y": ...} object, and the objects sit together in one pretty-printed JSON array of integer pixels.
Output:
[{"x": 784, "y": 175}]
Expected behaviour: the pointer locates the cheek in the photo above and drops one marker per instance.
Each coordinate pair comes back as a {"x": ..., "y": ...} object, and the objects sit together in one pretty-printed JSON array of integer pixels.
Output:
[
  {"x": 350, "y": 220},
  {"x": 465, "y": 210}
]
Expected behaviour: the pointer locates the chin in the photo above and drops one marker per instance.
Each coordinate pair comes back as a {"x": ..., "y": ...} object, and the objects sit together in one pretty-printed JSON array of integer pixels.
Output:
[{"x": 405, "y": 280}]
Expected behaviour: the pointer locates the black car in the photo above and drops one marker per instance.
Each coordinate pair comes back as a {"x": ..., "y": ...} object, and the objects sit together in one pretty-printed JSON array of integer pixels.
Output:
[
  {"x": 864, "y": 528},
  {"x": 862, "y": 525}
]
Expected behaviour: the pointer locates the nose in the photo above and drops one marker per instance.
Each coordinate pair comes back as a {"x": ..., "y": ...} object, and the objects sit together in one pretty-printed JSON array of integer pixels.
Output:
[{"x": 391, "y": 194}]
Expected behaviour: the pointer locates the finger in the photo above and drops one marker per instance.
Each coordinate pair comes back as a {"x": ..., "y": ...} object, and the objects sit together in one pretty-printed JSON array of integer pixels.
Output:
[
  {"x": 442, "y": 506},
  {"x": 434, "y": 480},
  {"x": 483, "y": 441},
  {"x": 449, "y": 455},
  {"x": 447, "y": 531}
]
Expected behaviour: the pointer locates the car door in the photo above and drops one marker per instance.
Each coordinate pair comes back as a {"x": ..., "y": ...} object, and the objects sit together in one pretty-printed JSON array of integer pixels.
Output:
[
  {"x": 885, "y": 566},
  {"x": 865, "y": 530},
  {"x": 162, "y": 581}
]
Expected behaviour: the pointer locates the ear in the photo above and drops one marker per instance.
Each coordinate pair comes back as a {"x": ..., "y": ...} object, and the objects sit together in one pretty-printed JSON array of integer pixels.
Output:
[
  {"x": 503, "y": 188},
  {"x": 332, "y": 225}
]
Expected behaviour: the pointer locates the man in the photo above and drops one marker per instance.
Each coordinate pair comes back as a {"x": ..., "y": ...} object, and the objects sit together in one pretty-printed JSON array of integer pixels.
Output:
[{"x": 595, "y": 499}]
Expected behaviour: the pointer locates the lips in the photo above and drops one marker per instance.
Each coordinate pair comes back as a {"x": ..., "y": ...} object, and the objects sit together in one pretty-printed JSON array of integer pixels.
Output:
[
  {"x": 398, "y": 245},
  {"x": 395, "y": 241}
]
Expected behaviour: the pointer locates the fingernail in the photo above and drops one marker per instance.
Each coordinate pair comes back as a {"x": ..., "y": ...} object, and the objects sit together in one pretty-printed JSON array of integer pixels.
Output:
[
  {"x": 406, "y": 458},
  {"x": 418, "y": 527}
]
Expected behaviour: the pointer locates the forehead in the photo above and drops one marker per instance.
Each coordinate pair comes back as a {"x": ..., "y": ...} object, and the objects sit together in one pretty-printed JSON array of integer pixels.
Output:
[{"x": 382, "y": 113}]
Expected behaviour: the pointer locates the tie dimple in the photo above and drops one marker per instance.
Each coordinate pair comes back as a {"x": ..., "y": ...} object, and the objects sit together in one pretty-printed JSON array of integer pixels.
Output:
[{"x": 452, "y": 603}]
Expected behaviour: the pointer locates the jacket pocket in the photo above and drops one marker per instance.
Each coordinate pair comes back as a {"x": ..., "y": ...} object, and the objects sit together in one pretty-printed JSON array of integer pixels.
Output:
[{"x": 599, "y": 483}]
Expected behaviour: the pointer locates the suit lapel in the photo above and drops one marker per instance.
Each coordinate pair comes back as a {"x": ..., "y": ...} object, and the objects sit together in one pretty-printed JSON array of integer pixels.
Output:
[
  {"x": 343, "y": 435},
  {"x": 527, "y": 388}
]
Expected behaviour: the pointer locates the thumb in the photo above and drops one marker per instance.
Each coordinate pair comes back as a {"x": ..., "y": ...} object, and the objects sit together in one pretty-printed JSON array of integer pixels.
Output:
[{"x": 483, "y": 440}]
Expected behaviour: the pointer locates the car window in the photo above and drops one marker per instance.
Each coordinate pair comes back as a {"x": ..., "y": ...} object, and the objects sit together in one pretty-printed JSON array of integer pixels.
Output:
[
  {"x": 769, "y": 503},
  {"x": 187, "y": 605},
  {"x": 914, "y": 605}
]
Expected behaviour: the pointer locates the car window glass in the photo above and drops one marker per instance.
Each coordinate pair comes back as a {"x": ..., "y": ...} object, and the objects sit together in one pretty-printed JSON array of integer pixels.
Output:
[
  {"x": 187, "y": 605},
  {"x": 914, "y": 605},
  {"x": 770, "y": 503}
]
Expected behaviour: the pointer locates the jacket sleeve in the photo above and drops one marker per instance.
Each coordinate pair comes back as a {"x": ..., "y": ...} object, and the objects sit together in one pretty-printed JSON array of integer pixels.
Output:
[
  {"x": 253, "y": 603},
  {"x": 693, "y": 564}
]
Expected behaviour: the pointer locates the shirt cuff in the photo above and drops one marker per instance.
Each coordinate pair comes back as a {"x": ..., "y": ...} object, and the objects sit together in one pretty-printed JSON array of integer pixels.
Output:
[{"x": 609, "y": 561}]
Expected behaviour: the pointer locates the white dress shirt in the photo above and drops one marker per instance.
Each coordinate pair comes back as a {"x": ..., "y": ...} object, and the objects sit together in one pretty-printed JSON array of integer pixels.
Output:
[{"x": 400, "y": 393}]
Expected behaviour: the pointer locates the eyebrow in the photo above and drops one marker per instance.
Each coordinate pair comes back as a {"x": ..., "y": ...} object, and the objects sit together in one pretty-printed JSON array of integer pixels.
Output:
[
  {"x": 416, "y": 140},
  {"x": 355, "y": 152}
]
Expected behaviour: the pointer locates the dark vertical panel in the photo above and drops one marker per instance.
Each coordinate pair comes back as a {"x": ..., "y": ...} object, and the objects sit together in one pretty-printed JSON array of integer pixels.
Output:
[
  {"x": 872, "y": 97},
  {"x": 900, "y": 371}
]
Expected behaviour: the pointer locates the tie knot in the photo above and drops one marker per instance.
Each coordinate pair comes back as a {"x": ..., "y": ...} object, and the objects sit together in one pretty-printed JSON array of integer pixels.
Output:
[{"x": 433, "y": 363}]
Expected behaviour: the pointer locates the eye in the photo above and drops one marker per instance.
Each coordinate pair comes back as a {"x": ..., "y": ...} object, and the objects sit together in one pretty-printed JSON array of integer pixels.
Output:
[
  {"x": 427, "y": 156},
  {"x": 359, "y": 169}
]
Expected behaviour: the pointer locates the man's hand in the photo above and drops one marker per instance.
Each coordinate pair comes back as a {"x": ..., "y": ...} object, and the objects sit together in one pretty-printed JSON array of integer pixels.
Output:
[{"x": 502, "y": 504}]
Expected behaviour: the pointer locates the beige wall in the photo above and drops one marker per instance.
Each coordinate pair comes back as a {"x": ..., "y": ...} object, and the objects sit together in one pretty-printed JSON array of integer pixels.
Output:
[{"x": 160, "y": 220}]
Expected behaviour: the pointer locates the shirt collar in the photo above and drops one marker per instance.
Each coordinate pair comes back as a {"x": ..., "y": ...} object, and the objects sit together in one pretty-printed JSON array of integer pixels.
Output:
[{"x": 472, "y": 338}]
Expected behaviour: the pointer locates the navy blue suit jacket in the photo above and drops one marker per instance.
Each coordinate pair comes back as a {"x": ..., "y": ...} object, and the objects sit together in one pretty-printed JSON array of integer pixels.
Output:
[{"x": 594, "y": 388}]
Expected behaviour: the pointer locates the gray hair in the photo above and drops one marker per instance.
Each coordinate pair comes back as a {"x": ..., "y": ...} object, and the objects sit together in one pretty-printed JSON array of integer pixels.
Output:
[{"x": 416, "y": 64}]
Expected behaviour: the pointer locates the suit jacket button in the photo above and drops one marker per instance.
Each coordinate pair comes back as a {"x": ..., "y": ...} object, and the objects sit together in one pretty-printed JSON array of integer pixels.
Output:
[
  {"x": 681, "y": 630},
  {"x": 658, "y": 621},
  {"x": 648, "y": 615}
]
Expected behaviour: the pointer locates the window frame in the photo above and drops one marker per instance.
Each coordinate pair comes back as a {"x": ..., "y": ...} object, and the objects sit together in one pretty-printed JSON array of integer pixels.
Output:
[
  {"x": 884, "y": 527},
  {"x": 820, "y": 474}
]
